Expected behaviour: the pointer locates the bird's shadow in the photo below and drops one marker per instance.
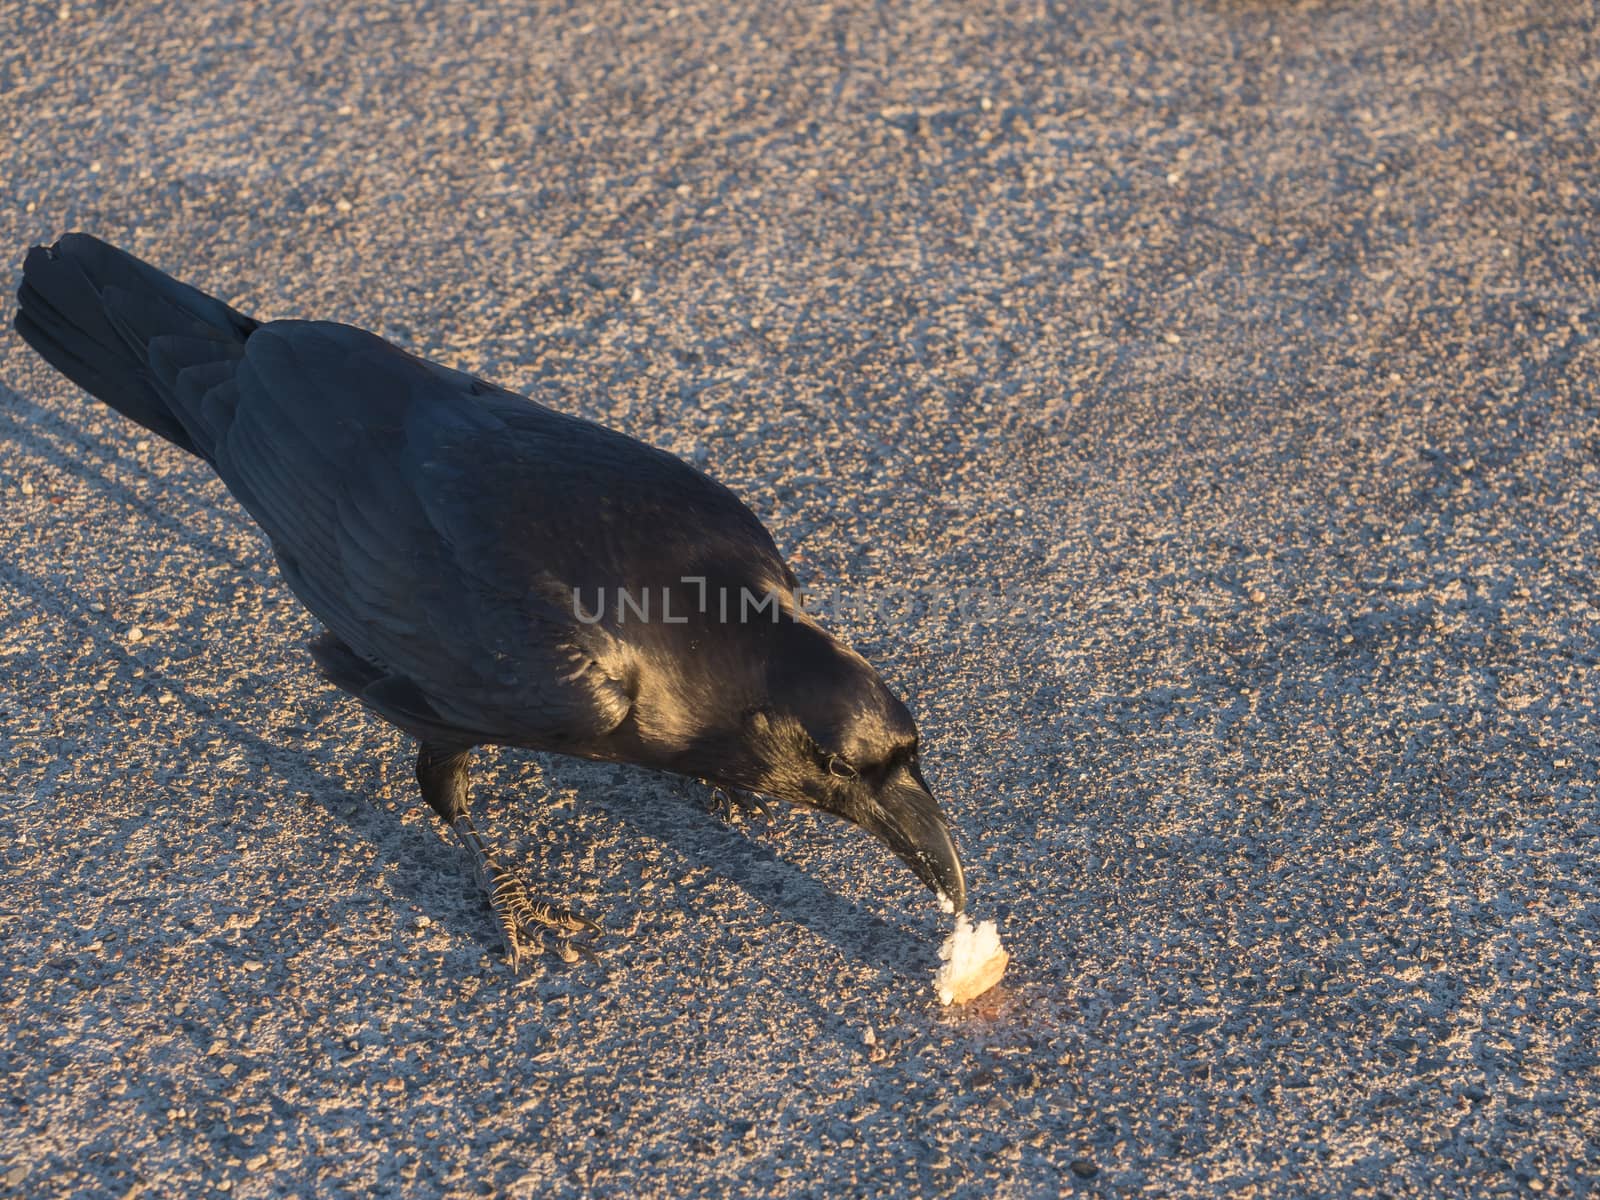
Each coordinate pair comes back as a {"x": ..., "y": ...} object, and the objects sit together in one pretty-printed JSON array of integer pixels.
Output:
[
  {"x": 418, "y": 861},
  {"x": 645, "y": 801},
  {"x": 41, "y": 431},
  {"x": 673, "y": 811},
  {"x": 655, "y": 805}
]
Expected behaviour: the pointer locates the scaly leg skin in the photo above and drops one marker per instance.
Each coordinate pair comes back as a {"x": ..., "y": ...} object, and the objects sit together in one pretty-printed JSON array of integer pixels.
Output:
[{"x": 526, "y": 924}]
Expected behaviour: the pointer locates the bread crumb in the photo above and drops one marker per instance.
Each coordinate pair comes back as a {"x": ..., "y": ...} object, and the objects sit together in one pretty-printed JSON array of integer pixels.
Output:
[{"x": 973, "y": 961}]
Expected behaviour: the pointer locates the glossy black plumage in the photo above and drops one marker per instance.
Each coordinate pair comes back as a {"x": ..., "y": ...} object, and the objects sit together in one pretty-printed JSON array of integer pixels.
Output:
[{"x": 455, "y": 538}]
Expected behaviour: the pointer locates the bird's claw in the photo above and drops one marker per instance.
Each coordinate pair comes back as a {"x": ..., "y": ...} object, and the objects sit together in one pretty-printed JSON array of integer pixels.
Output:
[
  {"x": 529, "y": 926},
  {"x": 534, "y": 926},
  {"x": 531, "y": 941},
  {"x": 728, "y": 804}
]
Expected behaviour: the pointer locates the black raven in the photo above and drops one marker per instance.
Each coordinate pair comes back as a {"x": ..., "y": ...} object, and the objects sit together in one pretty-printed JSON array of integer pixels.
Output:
[{"x": 490, "y": 571}]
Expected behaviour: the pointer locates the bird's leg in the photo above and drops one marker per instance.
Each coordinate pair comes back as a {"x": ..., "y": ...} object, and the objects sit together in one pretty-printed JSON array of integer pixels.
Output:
[
  {"x": 727, "y": 804},
  {"x": 526, "y": 923}
]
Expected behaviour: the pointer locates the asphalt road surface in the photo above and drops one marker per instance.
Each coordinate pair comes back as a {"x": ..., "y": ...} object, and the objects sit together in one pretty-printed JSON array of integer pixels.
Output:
[{"x": 1191, "y": 407}]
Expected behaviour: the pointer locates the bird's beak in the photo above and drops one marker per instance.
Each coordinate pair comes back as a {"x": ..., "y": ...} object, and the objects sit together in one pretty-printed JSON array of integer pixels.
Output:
[{"x": 907, "y": 819}]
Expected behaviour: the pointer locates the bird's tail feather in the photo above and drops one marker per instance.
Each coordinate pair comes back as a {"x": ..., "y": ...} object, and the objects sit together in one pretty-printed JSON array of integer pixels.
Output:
[{"x": 98, "y": 315}]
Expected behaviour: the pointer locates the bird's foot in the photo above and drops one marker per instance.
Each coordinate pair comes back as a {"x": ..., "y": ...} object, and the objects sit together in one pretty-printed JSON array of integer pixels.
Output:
[
  {"x": 729, "y": 804},
  {"x": 529, "y": 925}
]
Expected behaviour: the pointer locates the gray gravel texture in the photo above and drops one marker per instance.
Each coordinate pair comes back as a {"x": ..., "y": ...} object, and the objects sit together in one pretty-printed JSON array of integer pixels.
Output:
[{"x": 1252, "y": 344}]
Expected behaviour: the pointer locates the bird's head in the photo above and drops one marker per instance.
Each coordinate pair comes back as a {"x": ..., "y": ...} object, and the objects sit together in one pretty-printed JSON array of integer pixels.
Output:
[{"x": 831, "y": 736}]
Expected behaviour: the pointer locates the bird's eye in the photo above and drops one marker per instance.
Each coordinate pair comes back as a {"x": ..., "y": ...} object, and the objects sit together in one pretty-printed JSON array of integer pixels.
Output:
[{"x": 839, "y": 769}]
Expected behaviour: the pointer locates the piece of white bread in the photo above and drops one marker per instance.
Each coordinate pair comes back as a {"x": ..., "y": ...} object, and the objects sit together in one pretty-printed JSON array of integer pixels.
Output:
[{"x": 973, "y": 962}]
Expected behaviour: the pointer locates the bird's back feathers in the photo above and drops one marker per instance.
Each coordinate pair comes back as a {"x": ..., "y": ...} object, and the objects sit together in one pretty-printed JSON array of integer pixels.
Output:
[{"x": 441, "y": 528}]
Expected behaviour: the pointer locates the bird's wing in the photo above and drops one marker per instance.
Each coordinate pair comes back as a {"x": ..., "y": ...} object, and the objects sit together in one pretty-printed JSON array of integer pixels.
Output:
[{"x": 357, "y": 460}]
